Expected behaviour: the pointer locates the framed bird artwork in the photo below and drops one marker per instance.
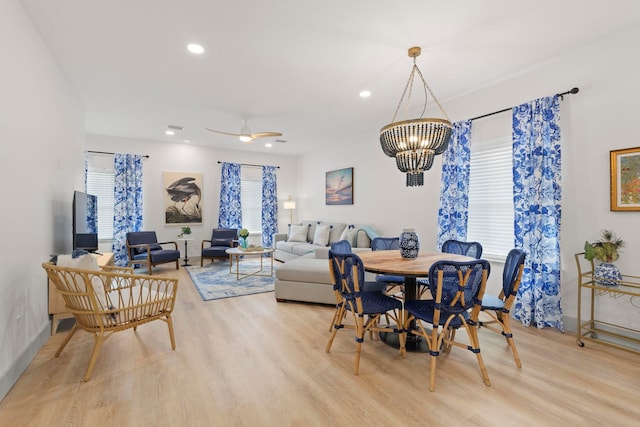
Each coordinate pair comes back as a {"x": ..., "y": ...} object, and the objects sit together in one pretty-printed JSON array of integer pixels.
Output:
[{"x": 182, "y": 198}]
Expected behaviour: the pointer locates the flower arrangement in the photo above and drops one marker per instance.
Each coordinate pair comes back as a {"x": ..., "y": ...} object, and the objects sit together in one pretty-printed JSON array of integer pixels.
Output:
[
  {"x": 244, "y": 233},
  {"x": 605, "y": 249},
  {"x": 185, "y": 232}
]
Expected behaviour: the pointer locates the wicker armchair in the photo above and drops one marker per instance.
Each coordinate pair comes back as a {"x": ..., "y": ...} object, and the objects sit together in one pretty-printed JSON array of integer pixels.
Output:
[{"x": 111, "y": 300}]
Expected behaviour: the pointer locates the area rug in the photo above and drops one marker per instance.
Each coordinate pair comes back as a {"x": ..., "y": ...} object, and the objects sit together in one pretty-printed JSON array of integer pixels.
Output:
[{"x": 213, "y": 281}]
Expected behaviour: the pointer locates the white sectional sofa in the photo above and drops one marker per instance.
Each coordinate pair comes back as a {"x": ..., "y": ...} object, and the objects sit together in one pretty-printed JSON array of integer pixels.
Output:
[{"x": 305, "y": 237}]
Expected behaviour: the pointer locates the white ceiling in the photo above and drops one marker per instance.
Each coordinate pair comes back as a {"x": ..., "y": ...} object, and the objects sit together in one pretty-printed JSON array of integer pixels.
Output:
[{"x": 296, "y": 66}]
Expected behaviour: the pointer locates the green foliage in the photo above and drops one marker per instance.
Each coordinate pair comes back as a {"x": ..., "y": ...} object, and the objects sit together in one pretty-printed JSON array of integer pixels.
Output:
[
  {"x": 244, "y": 233},
  {"x": 605, "y": 249},
  {"x": 185, "y": 232}
]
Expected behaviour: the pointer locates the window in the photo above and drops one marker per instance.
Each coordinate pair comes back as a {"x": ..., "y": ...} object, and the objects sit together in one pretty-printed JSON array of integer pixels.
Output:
[
  {"x": 251, "y": 199},
  {"x": 491, "y": 195},
  {"x": 100, "y": 183}
]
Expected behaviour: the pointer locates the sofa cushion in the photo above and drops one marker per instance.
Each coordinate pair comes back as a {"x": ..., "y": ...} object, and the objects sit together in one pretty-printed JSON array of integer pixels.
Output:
[
  {"x": 311, "y": 228},
  {"x": 321, "y": 236},
  {"x": 336, "y": 230},
  {"x": 349, "y": 234},
  {"x": 298, "y": 233}
]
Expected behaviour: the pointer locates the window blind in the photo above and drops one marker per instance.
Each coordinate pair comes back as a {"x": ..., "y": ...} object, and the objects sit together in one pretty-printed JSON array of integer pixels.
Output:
[
  {"x": 491, "y": 197},
  {"x": 251, "y": 199},
  {"x": 100, "y": 183}
]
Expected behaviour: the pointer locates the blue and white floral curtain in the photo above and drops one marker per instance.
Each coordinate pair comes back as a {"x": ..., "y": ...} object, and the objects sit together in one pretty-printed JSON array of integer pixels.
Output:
[
  {"x": 127, "y": 211},
  {"x": 537, "y": 203},
  {"x": 230, "y": 211},
  {"x": 454, "y": 194},
  {"x": 269, "y": 205}
]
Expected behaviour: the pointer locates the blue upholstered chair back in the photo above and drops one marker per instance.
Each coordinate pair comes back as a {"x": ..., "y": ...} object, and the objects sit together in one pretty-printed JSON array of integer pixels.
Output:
[
  {"x": 143, "y": 238},
  {"x": 341, "y": 247},
  {"x": 223, "y": 236},
  {"x": 472, "y": 249},
  {"x": 461, "y": 284},
  {"x": 385, "y": 243},
  {"x": 511, "y": 270},
  {"x": 342, "y": 265}
]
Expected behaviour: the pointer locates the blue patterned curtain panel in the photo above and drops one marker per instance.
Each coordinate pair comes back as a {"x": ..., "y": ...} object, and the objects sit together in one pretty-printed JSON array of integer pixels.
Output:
[
  {"x": 269, "y": 205},
  {"x": 230, "y": 211},
  {"x": 537, "y": 205},
  {"x": 127, "y": 211}
]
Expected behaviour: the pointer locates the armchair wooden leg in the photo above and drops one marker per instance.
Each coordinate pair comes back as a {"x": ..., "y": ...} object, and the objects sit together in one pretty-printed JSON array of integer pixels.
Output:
[
  {"x": 169, "y": 321},
  {"x": 67, "y": 338},
  {"x": 94, "y": 356}
]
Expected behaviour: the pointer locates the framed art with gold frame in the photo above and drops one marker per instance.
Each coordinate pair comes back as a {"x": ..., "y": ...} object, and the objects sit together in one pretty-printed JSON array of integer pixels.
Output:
[{"x": 625, "y": 179}]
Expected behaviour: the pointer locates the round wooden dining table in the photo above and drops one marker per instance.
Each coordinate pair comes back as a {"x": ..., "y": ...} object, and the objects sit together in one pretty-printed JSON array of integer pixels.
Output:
[{"x": 391, "y": 262}]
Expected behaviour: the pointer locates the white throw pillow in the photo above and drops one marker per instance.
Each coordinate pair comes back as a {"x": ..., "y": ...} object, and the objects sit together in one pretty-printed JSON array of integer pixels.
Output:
[
  {"x": 298, "y": 233},
  {"x": 321, "y": 237},
  {"x": 349, "y": 235},
  {"x": 86, "y": 262}
]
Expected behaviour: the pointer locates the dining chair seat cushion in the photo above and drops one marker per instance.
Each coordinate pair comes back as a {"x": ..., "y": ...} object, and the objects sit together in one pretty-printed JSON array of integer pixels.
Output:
[
  {"x": 424, "y": 310},
  {"x": 490, "y": 302}
]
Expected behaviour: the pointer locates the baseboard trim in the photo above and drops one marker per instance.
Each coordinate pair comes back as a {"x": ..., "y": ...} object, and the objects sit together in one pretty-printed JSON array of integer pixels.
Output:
[{"x": 11, "y": 376}]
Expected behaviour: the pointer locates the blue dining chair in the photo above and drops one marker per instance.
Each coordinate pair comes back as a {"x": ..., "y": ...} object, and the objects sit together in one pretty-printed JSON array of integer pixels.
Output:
[
  {"x": 347, "y": 272},
  {"x": 457, "y": 289},
  {"x": 388, "y": 244},
  {"x": 452, "y": 246},
  {"x": 497, "y": 308}
]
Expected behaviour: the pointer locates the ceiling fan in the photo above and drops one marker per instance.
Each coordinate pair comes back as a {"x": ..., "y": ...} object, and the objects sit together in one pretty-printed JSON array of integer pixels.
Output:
[{"x": 245, "y": 134}]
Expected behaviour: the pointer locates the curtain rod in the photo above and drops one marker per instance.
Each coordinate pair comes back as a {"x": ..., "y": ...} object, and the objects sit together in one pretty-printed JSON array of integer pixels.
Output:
[
  {"x": 561, "y": 95},
  {"x": 146, "y": 156},
  {"x": 249, "y": 164}
]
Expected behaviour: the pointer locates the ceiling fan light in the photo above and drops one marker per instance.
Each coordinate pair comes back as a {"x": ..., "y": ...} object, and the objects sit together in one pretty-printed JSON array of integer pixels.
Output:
[{"x": 245, "y": 138}]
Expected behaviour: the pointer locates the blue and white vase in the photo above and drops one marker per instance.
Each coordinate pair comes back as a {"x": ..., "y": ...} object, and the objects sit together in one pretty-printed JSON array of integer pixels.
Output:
[
  {"x": 607, "y": 274},
  {"x": 409, "y": 243}
]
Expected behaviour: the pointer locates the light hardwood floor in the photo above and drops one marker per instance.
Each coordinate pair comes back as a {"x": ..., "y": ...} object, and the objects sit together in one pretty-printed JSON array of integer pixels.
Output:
[{"x": 251, "y": 361}]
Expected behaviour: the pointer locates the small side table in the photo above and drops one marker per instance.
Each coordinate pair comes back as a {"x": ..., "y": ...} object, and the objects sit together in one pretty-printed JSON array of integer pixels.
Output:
[{"x": 186, "y": 253}]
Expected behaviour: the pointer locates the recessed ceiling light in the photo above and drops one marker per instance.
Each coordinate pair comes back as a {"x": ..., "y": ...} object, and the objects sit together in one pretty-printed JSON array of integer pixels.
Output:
[
  {"x": 365, "y": 94},
  {"x": 169, "y": 132},
  {"x": 195, "y": 48},
  {"x": 187, "y": 141},
  {"x": 268, "y": 145}
]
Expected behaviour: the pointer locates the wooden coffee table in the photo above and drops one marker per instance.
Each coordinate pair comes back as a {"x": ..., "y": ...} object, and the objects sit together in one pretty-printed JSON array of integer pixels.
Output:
[{"x": 239, "y": 254}]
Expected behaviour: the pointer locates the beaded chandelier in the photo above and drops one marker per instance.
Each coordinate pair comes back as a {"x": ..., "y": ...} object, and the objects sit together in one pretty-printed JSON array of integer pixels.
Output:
[{"x": 414, "y": 143}]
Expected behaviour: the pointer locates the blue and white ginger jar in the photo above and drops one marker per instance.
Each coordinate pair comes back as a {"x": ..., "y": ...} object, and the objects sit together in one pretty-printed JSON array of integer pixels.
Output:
[
  {"x": 409, "y": 243},
  {"x": 607, "y": 274}
]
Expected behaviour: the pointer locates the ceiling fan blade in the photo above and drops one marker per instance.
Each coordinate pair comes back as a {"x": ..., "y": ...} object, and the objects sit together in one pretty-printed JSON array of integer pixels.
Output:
[
  {"x": 265, "y": 134},
  {"x": 223, "y": 133}
]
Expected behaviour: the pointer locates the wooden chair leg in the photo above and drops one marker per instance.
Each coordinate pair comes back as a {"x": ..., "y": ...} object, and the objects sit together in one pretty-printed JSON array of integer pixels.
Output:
[
  {"x": 472, "y": 332},
  {"x": 506, "y": 331},
  {"x": 99, "y": 340},
  {"x": 171, "y": 335},
  {"x": 66, "y": 339},
  {"x": 359, "y": 339},
  {"x": 338, "y": 317}
]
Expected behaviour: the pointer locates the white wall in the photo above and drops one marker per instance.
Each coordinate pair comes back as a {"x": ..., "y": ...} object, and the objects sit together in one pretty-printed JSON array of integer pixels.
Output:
[
  {"x": 598, "y": 119},
  {"x": 42, "y": 142},
  {"x": 165, "y": 156}
]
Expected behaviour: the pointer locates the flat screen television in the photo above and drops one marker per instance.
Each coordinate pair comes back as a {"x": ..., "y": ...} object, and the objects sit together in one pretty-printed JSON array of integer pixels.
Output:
[{"x": 85, "y": 221}]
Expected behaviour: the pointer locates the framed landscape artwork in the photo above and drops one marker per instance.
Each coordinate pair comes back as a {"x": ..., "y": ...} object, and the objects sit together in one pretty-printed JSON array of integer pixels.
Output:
[
  {"x": 625, "y": 179},
  {"x": 338, "y": 188},
  {"x": 182, "y": 198}
]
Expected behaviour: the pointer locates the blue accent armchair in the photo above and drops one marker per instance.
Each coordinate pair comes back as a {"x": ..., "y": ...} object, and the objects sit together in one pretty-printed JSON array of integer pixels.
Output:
[
  {"x": 143, "y": 248},
  {"x": 221, "y": 240}
]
